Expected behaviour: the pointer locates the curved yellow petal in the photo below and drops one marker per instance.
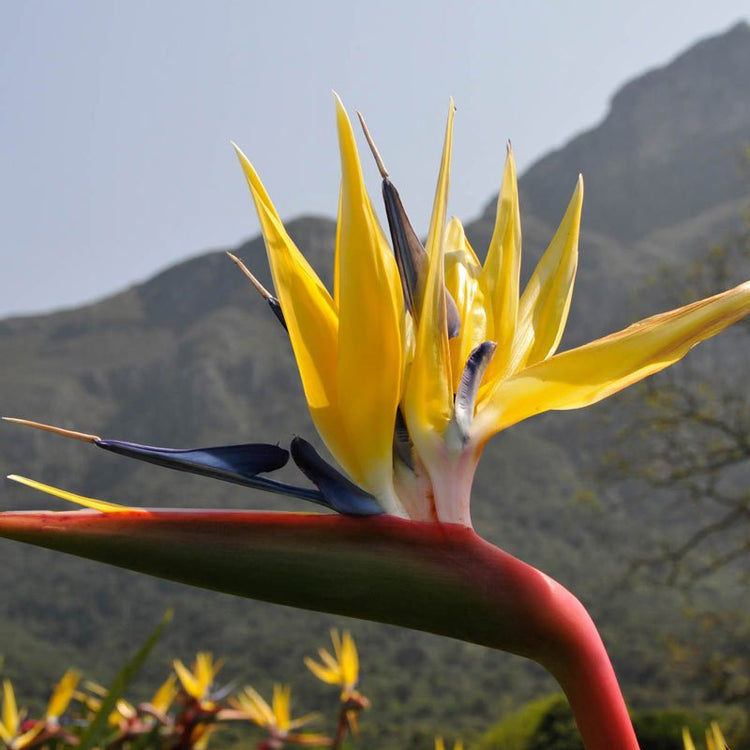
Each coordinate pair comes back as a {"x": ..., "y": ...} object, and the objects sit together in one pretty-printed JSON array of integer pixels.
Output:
[
  {"x": 585, "y": 375},
  {"x": 370, "y": 346},
  {"x": 462, "y": 272},
  {"x": 62, "y": 694},
  {"x": 501, "y": 271},
  {"x": 86, "y": 502},
  {"x": 255, "y": 707},
  {"x": 429, "y": 392},
  {"x": 311, "y": 317},
  {"x": 330, "y": 676},
  {"x": 544, "y": 305}
]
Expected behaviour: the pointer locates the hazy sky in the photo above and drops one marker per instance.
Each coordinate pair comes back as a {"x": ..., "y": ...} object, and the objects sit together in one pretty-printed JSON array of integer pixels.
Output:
[{"x": 116, "y": 117}]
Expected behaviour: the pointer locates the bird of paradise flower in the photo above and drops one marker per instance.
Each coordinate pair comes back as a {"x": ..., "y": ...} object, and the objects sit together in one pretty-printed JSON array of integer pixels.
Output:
[{"x": 418, "y": 356}]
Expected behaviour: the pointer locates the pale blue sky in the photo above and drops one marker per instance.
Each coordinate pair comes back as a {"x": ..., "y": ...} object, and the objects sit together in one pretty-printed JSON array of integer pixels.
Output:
[{"x": 116, "y": 117}]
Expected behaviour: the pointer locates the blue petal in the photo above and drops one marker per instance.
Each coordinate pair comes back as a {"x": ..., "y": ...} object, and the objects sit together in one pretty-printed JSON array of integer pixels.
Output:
[
  {"x": 411, "y": 259},
  {"x": 232, "y": 463},
  {"x": 468, "y": 387},
  {"x": 340, "y": 493}
]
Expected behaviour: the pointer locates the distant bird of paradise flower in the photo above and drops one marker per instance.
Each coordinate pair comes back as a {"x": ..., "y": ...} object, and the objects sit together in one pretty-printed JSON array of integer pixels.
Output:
[{"x": 418, "y": 356}]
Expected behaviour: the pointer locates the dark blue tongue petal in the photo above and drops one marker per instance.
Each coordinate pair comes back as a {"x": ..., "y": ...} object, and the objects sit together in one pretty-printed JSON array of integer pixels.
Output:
[
  {"x": 340, "y": 494},
  {"x": 232, "y": 463},
  {"x": 411, "y": 257},
  {"x": 468, "y": 387}
]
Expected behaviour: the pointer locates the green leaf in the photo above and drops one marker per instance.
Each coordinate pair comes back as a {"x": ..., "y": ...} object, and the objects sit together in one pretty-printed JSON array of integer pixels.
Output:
[{"x": 98, "y": 728}]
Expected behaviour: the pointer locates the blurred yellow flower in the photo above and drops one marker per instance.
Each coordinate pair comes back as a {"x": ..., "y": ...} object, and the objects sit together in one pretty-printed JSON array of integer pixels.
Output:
[
  {"x": 342, "y": 668},
  {"x": 198, "y": 682},
  {"x": 275, "y": 719},
  {"x": 11, "y": 725},
  {"x": 714, "y": 738}
]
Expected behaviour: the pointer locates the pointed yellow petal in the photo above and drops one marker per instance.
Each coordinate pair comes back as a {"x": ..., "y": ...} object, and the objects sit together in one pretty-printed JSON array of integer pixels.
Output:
[
  {"x": 687, "y": 740},
  {"x": 62, "y": 694},
  {"x": 311, "y": 318},
  {"x": 349, "y": 661},
  {"x": 11, "y": 719},
  {"x": 719, "y": 742},
  {"x": 500, "y": 274},
  {"x": 369, "y": 335},
  {"x": 281, "y": 699},
  {"x": 189, "y": 683},
  {"x": 585, "y": 375},
  {"x": 322, "y": 673},
  {"x": 256, "y": 707},
  {"x": 544, "y": 306},
  {"x": 462, "y": 273},
  {"x": 164, "y": 696},
  {"x": 429, "y": 390},
  {"x": 86, "y": 502}
]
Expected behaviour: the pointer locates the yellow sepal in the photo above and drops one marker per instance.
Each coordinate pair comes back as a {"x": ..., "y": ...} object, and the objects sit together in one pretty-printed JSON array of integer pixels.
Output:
[
  {"x": 311, "y": 318},
  {"x": 543, "y": 309},
  {"x": 429, "y": 390},
  {"x": 86, "y": 502},
  {"x": 585, "y": 375},
  {"x": 500, "y": 275},
  {"x": 370, "y": 304}
]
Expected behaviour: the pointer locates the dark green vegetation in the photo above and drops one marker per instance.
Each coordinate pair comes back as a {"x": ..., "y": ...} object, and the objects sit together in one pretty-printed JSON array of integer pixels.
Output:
[
  {"x": 194, "y": 357},
  {"x": 547, "y": 724}
]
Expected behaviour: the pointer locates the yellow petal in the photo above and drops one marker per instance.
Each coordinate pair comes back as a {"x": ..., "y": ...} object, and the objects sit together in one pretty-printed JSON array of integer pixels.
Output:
[
  {"x": 462, "y": 272},
  {"x": 429, "y": 392},
  {"x": 86, "y": 502},
  {"x": 349, "y": 661},
  {"x": 311, "y": 318},
  {"x": 189, "y": 683},
  {"x": 281, "y": 700},
  {"x": 585, "y": 375},
  {"x": 323, "y": 673},
  {"x": 500, "y": 274},
  {"x": 255, "y": 707},
  {"x": 62, "y": 694},
  {"x": 370, "y": 305},
  {"x": 718, "y": 738},
  {"x": 687, "y": 740},
  {"x": 11, "y": 719},
  {"x": 164, "y": 696},
  {"x": 543, "y": 310}
]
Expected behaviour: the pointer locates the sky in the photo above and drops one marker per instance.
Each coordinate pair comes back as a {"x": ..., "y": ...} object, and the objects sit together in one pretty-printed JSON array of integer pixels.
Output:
[{"x": 116, "y": 117}]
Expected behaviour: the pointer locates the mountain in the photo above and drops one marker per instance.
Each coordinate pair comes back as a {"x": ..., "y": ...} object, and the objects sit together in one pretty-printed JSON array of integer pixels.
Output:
[
  {"x": 670, "y": 147},
  {"x": 194, "y": 357}
]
